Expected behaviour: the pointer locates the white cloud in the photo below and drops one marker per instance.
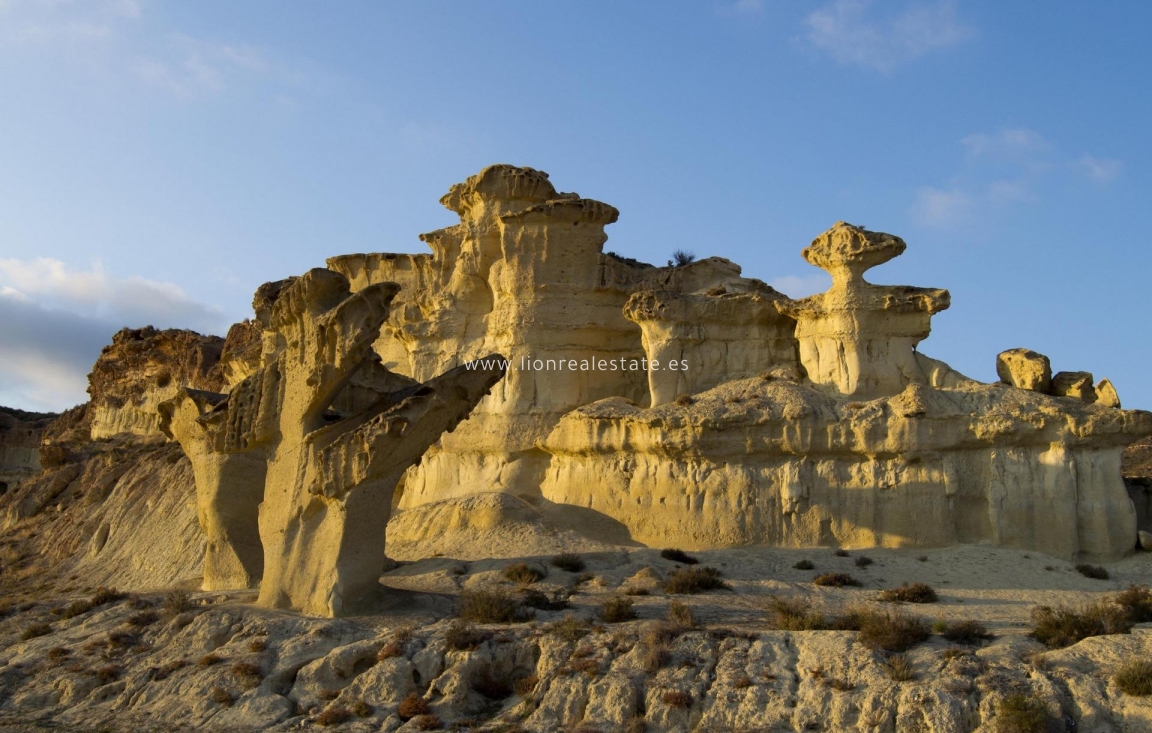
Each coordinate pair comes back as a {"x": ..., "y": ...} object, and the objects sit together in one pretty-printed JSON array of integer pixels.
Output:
[
  {"x": 54, "y": 319},
  {"x": 1100, "y": 170},
  {"x": 1006, "y": 142},
  {"x": 849, "y": 32},
  {"x": 190, "y": 68},
  {"x": 801, "y": 286},
  {"x": 937, "y": 208}
]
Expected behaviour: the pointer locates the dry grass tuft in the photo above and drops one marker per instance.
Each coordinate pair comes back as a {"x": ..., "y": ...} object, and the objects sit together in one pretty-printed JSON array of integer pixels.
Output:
[
  {"x": 678, "y": 556},
  {"x": 617, "y": 609},
  {"x": 220, "y": 696},
  {"x": 362, "y": 709},
  {"x": 412, "y": 706},
  {"x": 34, "y": 630},
  {"x": 490, "y": 607},
  {"x": 678, "y": 699},
  {"x": 105, "y": 595},
  {"x": 333, "y": 715},
  {"x": 1064, "y": 625},
  {"x": 796, "y": 614},
  {"x": 680, "y": 615},
  {"x": 1092, "y": 571},
  {"x": 914, "y": 593},
  {"x": 247, "y": 674},
  {"x": 836, "y": 580},
  {"x": 965, "y": 632},
  {"x": 389, "y": 650},
  {"x": 142, "y": 619},
  {"x": 176, "y": 603},
  {"x": 257, "y": 645},
  {"x": 427, "y": 722},
  {"x": 863, "y": 561},
  {"x": 463, "y": 636},
  {"x": 804, "y": 565},
  {"x": 1021, "y": 714},
  {"x": 689, "y": 581},
  {"x": 899, "y": 668},
  {"x": 570, "y": 628},
  {"x": 891, "y": 631},
  {"x": 523, "y": 686},
  {"x": 210, "y": 659},
  {"x": 522, "y": 573},
  {"x": 1135, "y": 678},
  {"x": 570, "y": 562},
  {"x": 1136, "y": 603}
]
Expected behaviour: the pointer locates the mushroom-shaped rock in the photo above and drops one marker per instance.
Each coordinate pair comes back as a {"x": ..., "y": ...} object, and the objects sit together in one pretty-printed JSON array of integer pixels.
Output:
[
  {"x": 1024, "y": 369},
  {"x": 1074, "y": 384},
  {"x": 861, "y": 338}
]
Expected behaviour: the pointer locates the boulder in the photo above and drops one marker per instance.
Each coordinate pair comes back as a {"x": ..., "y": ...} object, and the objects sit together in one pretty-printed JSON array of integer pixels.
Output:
[
  {"x": 1106, "y": 394},
  {"x": 1074, "y": 384},
  {"x": 1024, "y": 369}
]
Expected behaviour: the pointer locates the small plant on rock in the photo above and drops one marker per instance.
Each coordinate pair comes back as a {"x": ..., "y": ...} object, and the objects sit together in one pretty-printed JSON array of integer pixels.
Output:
[
  {"x": 570, "y": 628},
  {"x": 522, "y": 573},
  {"x": 176, "y": 603},
  {"x": 1136, "y": 603},
  {"x": 333, "y": 715},
  {"x": 678, "y": 699},
  {"x": 1092, "y": 571},
  {"x": 412, "y": 706},
  {"x": 362, "y": 709},
  {"x": 899, "y": 668},
  {"x": 220, "y": 696},
  {"x": 679, "y": 614},
  {"x": 463, "y": 636},
  {"x": 1022, "y": 714},
  {"x": 485, "y": 606},
  {"x": 247, "y": 674}
]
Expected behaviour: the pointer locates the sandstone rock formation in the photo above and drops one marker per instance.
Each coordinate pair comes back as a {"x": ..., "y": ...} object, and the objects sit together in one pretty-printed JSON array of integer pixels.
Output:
[
  {"x": 315, "y": 439},
  {"x": 1077, "y": 385},
  {"x": 20, "y": 435},
  {"x": 1024, "y": 369}
]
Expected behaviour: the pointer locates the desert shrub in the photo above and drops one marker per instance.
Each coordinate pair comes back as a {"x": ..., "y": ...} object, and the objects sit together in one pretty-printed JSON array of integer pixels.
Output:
[
  {"x": 841, "y": 553},
  {"x": 220, "y": 696},
  {"x": 570, "y": 628},
  {"x": 210, "y": 659},
  {"x": 33, "y": 630},
  {"x": 165, "y": 671},
  {"x": 176, "y": 603},
  {"x": 412, "y": 706},
  {"x": 891, "y": 631},
  {"x": 1136, "y": 603},
  {"x": 835, "y": 580},
  {"x": 680, "y": 615},
  {"x": 863, "y": 561},
  {"x": 899, "y": 668},
  {"x": 1063, "y": 626},
  {"x": 965, "y": 632},
  {"x": 489, "y": 607},
  {"x": 121, "y": 640},
  {"x": 109, "y": 673},
  {"x": 333, "y": 715},
  {"x": 655, "y": 647},
  {"x": 914, "y": 593},
  {"x": 617, "y": 609},
  {"x": 678, "y": 556},
  {"x": 953, "y": 652},
  {"x": 1135, "y": 678},
  {"x": 569, "y": 561},
  {"x": 1021, "y": 714},
  {"x": 105, "y": 595},
  {"x": 693, "y": 580},
  {"x": 58, "y": 654},
  {"x": 522, "y": 573},
  {"x": 580, "y": 665},
  {"x": 362, "y": 709},
  {"x": 742, "y": 682},
  {"x": 795, "y": 614},
  {"x": 76, "y": 608},
  {"x": 257, "y": 645},
  {"x": 1092, "y": 571},
  {"x": 143, "y": 618},
  {"x": 632, "y": 591},
  {"x": 922, "y": 558},
  {"x": 329, "y": 695},
  {"x": 463, "y": 636},
  {"x": 683, "y": 400},
  {"x": 523, "y": 686},
  {"x": 678, "y": 699},
  {"x": 536, "y": 599},
  {"x": 682, "y": 257},
  {"x": 427, "y": 722},
  {"x": 389, "y": 650},
  {"x": 804, "y": 565},
  {"x": 492, "y": 686},
  {"x": 247, "y": 674}
]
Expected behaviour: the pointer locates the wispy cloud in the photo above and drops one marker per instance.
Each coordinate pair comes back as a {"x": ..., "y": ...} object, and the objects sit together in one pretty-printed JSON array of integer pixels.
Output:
[
  {"x": 1006, "y": 142},
  {"x": 54, "y": 319},
  {"x": 853, "y": 32},
  {"x": 190, "y": 68},
  {"x": 1100, "y": 170}
]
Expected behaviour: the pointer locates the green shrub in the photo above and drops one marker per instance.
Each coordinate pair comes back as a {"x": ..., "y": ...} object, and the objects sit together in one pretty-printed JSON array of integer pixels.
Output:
[{"x": 692, "y": 580}]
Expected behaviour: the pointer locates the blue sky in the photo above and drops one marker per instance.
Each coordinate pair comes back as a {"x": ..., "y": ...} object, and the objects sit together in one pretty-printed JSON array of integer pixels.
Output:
[{"x": 158, "y": 161}]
